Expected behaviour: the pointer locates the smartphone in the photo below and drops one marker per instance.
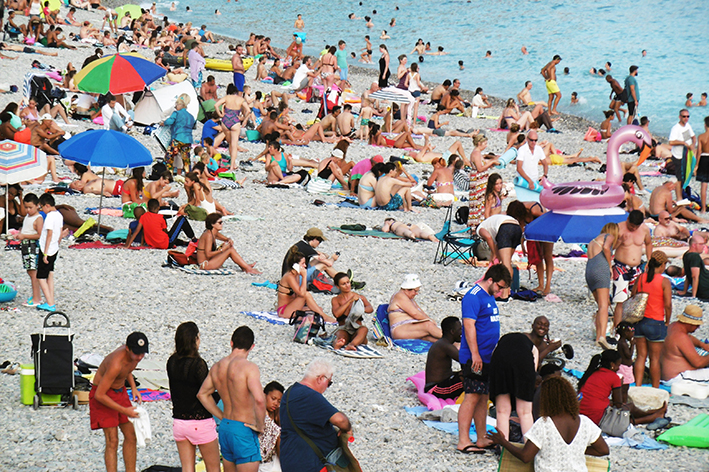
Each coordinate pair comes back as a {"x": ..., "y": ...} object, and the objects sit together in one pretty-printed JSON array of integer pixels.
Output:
[{"x": 296, "y": 267}]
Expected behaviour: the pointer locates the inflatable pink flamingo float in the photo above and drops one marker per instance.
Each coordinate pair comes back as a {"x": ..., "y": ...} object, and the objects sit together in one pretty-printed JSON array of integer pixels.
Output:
[{"x": 571, "y": 196}]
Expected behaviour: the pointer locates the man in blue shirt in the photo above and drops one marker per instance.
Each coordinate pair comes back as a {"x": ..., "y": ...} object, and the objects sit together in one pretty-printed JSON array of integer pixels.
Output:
[
  {"x": 341, "y": 56},
  {"x": 632, "y": 92},
  {"x": 305, "y": 405},
  {"x": 481, "y": 331}
]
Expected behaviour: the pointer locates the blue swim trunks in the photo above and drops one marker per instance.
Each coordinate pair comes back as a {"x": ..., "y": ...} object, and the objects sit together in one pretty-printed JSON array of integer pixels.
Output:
[
  {"x": 239, "y": 81},
  {"x": 238, "y": 443},
  {"x": 395, "y": 203}
]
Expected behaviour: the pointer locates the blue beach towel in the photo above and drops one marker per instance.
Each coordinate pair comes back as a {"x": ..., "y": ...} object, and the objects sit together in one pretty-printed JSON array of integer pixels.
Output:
[{"x": 382, "y": 330}]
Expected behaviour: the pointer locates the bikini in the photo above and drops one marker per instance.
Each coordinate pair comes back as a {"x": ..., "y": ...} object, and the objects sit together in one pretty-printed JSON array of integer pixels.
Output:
[
  {"x": 282, "y": 309},
  {"x": 402, "y": 322},
  {"x": 390, "y": 142}
]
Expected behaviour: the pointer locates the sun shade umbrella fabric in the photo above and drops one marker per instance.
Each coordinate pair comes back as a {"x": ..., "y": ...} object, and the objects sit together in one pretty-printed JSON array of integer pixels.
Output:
[
  {"x": 133, "y": 10},
  {"x": 20, "y": 162},
  {"x": 574, "y": 227},
  {"x": 118, "y": 74},
  {"x": 106, "y": 148}
]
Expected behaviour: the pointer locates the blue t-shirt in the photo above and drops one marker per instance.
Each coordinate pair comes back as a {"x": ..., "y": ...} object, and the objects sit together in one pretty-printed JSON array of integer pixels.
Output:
[
  {"x": 341, "y": 56},
  {"x": 311, "y": 412},
  {"x": 480, "y": 306},
  {"x": 630, "y": 80},
  {"x": 208, "y": 130}
]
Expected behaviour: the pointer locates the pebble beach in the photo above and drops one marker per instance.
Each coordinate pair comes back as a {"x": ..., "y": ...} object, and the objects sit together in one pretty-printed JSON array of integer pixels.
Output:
[{"x": 111, "y": 292}]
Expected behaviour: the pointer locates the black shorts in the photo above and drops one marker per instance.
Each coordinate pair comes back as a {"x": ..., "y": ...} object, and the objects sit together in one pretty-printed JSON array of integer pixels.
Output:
[
  {"x": 43, "y": 269},
  {"x": 478, "y": 384},
  {"x": 451, "y": 387},
  {"x": 703, "y": 169},
  {"x": 631, "y": 108},
  {"x": 679, "y": 171},
  {"x": 509, "y": 236}
]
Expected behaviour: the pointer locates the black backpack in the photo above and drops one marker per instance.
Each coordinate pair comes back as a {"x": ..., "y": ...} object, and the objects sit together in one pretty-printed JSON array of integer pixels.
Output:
[{"x": 461, "y": 215}]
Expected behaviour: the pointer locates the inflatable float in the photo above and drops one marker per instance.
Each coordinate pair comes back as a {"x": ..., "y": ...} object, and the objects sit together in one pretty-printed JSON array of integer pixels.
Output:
[
  {"x": 671, "y": 247},
  {"x": 592, "y": 195},
  {"x": 225, "y": 64}
]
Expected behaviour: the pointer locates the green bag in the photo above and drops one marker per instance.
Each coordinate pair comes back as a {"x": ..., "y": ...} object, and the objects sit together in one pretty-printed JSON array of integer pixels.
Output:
[{"x": 196, "y": 213}]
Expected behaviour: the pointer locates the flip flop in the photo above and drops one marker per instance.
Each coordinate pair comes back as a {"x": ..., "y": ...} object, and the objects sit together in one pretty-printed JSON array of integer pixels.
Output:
[{"x": 471, "y": 449}]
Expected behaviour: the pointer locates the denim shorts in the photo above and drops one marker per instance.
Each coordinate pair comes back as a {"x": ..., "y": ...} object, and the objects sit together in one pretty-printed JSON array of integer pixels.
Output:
[{"x": 652, "y": 330}]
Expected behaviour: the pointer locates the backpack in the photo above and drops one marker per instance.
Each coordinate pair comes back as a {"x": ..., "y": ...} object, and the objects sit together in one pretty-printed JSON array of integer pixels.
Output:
[
  {"x": 179, "y": 259},
  {"x": 461, "y": 215}
]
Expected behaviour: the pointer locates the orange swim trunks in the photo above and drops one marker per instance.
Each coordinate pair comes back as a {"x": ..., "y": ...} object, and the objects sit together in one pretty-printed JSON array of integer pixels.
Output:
[{"x": 24, "y": 136}]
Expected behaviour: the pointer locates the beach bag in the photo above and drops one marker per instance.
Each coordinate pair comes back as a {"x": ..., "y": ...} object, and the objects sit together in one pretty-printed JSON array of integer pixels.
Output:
[
  {"x": 318, "y": 185},
  {"x": 191, "y": 248},
  {"x": 179, "y": 259},
  {"x": 462, "y": 214},
  {"x": 196, "y": 213},
  {"x": 309, "y": 326},
  {"x": 615, "y": 421},
  {"x": 634, "y": 307}
]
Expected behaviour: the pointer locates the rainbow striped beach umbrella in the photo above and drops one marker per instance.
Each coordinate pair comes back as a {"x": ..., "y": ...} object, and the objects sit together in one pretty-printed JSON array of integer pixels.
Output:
[
  {"x": 118, "y": 73},
  {"x": 20, "y": 162}
]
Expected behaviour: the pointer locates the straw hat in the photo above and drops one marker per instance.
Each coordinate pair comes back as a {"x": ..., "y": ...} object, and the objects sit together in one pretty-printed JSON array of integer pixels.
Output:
[
  {"x": 692, "y": 315},
  {"x": 659, "y": 257},
  {"x": 411, "y": 281}
]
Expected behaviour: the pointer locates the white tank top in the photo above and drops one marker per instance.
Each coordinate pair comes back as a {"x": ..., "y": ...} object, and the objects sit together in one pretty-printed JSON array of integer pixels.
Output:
[
  {"x": 413, "y": 84},
  {"x": 211, "y": 207},
  {"x": 28, "y": 225},
  {"x": 35, "y": 8}
]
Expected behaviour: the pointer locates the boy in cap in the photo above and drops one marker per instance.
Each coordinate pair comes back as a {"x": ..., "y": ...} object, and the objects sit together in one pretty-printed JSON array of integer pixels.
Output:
[{"x": 109, "y": 404}]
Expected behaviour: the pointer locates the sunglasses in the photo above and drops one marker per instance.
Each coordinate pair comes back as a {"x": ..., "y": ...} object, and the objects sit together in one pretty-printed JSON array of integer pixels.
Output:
[
  {"x": 533, "y": 140},
  {"x": 684, "y": 116},
  {"x": 220, "y": 222}
]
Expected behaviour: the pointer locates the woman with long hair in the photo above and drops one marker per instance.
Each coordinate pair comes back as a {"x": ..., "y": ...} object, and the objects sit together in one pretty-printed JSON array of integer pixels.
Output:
[
  {"x": 132, "y": 191},
  {"x": 493, "y": 195},
  {"x": 210, "y": 256},
  {"x": 598, "y": 276},
  {"x": 292, "y": 290},
  {"x": 384, "y": 72},
  {"x": 192, "y": 424},
  {"x": 561, "y": 437},
  {"x": 601, "y": 381},
  {"x": 650, "y": 332}
]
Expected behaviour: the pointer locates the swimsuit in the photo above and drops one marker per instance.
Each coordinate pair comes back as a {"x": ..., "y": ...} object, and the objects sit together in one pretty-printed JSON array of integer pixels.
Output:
[
  {"x": 231, "y": 117},
  {"x": 598, "y": 273},
  {"x": 364, "y": 121},
  {"x": 552, "y": 87},
  {"x": 623, "y": 278},
  {"x": 326, "y": 173},
  {"x": 238, "y": 443},
  {"x": 390, "y": 142},
  {"x": 118, "y": 188},
  {"x": 402, "y": 323},
  {"x": 394, "y": 203}
]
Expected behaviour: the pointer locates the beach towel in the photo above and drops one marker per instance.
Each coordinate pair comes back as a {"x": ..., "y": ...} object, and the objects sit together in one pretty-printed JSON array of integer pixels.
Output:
[
  {"x": 373, "y": 233},
  {"x": 267, "y": 284},
  {"x": 149, "y": 395},
  {"x": 242, "y": 218},
  {"x": 196, "y": 271},
  {"x": 509, "y": 463},
  {"x": 687, "y": 165},
  {"x": 381, "y": 331},
  {"x": 105, "y": 211},
  {"x": 100, "y": 245},
  {"x": 431, "y": 401},
  {"x": 450, "y": 428},
  {"x": 363, "y": 352},
  {"x": 268, "y": 316}
]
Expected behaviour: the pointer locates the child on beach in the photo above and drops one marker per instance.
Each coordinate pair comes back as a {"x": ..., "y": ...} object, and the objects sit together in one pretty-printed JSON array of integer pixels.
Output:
[
  {"x": 626, "y": 346},
  {"x": 31, "y": 229},
  {"x": 48, "y": 248}
]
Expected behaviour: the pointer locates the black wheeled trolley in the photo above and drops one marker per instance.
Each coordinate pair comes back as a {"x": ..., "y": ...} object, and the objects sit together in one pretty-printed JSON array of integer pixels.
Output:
[{"x": 53, "y": 354}]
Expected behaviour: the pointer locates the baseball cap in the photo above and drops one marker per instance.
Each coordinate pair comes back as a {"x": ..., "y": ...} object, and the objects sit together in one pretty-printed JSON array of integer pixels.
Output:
[
  {"x": 315, "y": 233},
  {"x": 377, "y": 159},
  {"x": 137, "y": 342},
  {"x": 46, "y": 116}
]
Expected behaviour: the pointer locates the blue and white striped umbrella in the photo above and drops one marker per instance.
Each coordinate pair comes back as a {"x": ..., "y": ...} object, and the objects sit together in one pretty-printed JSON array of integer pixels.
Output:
[{"x": 392, "y": 94}]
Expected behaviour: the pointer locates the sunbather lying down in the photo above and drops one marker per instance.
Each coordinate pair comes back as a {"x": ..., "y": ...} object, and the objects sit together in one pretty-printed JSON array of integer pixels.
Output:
[
  {"x": 72, "y": 220},
  {"x": 409, "y": 231}
]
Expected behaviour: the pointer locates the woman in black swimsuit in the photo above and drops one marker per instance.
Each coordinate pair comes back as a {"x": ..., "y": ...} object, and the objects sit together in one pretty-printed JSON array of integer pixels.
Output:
[{"x": 384, "y": 71}]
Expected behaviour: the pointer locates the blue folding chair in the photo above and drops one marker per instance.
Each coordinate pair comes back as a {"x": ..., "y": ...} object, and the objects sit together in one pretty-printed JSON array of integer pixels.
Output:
[{"x": 455, "y": 245}]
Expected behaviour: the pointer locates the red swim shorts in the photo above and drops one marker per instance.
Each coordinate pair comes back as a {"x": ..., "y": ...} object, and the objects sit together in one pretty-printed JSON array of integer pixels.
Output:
[
  {"x": 104, "y": 417},
  {"x": 24, "y": 136}
]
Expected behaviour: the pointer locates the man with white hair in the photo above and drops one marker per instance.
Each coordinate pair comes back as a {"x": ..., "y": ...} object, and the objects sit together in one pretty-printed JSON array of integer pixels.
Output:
[{"x": 305, "y": 413}]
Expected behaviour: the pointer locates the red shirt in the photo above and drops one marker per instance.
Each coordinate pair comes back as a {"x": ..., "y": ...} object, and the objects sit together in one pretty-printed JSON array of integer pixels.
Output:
[
  {"x": 154, "y": 230},
  {"x": 596, "y": 391},
  {"x": 655, "y": 308}
]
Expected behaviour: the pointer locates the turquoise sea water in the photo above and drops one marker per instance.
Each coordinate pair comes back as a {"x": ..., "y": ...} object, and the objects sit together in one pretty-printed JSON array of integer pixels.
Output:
[{"x": 586, "y": 33}]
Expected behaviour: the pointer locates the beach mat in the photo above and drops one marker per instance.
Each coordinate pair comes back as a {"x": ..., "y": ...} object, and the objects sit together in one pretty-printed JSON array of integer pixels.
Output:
[
  {"x": 372, "y": 233},
  {"x": 100, "y": 245},
  {"x": 268, "y": 316},
  {"x": 362, "y": 352},
  {"x": 382, "y": 333},
  {"x": 105, "y": 211},
  {"x": 267, "y": 284},
  {"x": 242, "y": 218},
  {"x": 192, "y": 270},
  {"x": 450, "y": 428}
]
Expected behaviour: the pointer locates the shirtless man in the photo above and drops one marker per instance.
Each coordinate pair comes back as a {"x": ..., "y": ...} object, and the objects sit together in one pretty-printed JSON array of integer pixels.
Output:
[
  {"x": 440, "y": 90},
  {"x": 238, "y": 65},
  {"x": 549, "y": 74},
  {"x": 208, "y": 91},
  {"x": 678, "y": 351},
  {"x": 238, "y": 382},
  {"x": 345, "y": 122},
  {"x": 299, "y": 23},
  {"x": 409, "y": 231},
  {"x": 661, "y": 199},
  {"x": 633, "y": 234},
  {"x": 701, "y": 170},
  {"x": 406, "y": 318},
  {"x": 111, "y": 188},
  {"x": 617, "y": 96},
  {"x": 441, "y": 381},
  {"x": 391, "y": 192},
  {"x": 329, "y": 122},
  {"x": 669, "y": 229},
  {"x": 451, "y": 102},
  {"x": 525, "y": 96},
  {"x": 109, "y": 405}
]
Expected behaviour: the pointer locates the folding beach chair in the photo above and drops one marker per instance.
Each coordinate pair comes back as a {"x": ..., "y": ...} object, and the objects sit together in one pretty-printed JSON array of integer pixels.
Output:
[
  {"x": 454, "y": 245},
  {"x": 163, "y": 135}
]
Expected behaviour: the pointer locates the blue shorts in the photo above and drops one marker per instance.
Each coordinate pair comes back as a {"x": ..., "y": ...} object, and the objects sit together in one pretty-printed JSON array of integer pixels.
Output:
[
  {"x": 652, "y": 330},
  {"x": 343, "y": 74},
  {"x": 238, "y": 443},
  {"x": 239, "y": 81},
  {"x": 196, "y": 83},
  {"x": 311, "y": 273}
]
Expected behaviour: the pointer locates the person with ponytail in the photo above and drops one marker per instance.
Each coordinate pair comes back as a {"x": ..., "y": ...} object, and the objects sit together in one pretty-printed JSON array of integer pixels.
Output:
[
  {"x": 561, "y": 436},
  {"x": 601, "y": 381},
  {"x": 650, "y": 332}
]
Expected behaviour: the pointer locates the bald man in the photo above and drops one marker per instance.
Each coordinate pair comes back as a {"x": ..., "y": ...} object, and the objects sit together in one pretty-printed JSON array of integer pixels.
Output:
[{"x": 670, "y": 229}]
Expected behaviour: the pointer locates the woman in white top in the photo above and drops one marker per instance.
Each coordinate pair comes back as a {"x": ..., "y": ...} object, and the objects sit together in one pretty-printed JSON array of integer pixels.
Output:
[
  {"x": 559, "y": 440},
  {"x": 414, "y": 85}
]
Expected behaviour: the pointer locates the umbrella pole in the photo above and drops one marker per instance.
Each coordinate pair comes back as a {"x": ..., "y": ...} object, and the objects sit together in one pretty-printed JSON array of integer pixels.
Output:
[
  {"x": 100, "y": 202},
  {"x": 7, "y": 211}
]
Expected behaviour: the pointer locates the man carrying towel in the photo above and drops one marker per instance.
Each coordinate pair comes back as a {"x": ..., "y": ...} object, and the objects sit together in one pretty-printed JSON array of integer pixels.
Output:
[{"x": 109, "y": 405}]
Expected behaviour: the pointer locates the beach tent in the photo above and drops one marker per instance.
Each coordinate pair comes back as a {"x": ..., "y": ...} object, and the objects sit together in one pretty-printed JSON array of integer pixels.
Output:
[
  {"x": 158, "y": 104},
  {"x": 133, "y": 10}
]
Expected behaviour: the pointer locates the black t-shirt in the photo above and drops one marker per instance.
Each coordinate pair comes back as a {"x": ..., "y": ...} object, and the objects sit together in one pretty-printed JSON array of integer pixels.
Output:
[
  {"x": 186, "y": 375},
  {"x": 90, "y": 59},
  {"x": 306, "y": 249},
  {"x": 693, "y": 259}
]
